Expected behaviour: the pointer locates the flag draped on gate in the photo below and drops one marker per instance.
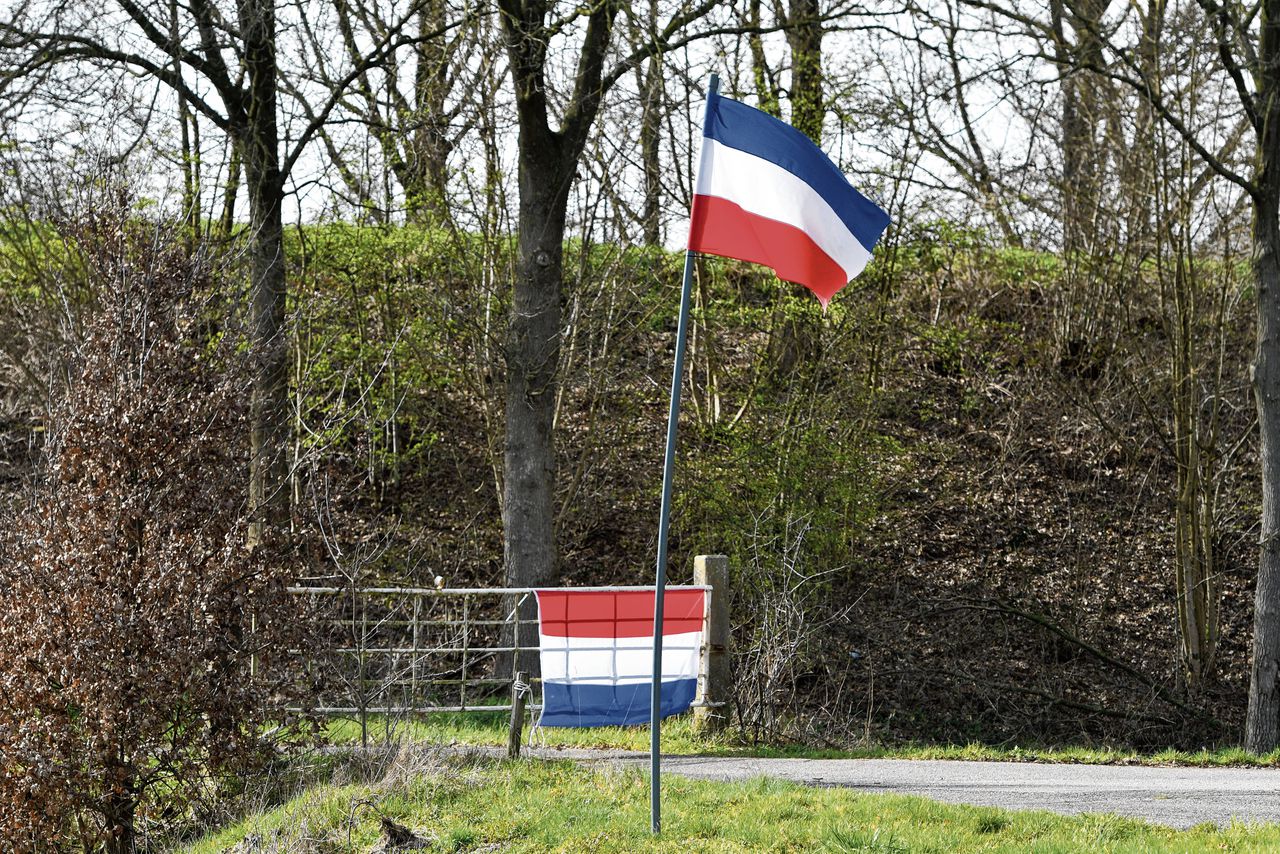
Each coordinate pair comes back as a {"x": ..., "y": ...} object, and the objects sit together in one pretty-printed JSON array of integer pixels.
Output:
[
  {"x": 597, "y": 654},
  {"x": 768, "y": 195}
]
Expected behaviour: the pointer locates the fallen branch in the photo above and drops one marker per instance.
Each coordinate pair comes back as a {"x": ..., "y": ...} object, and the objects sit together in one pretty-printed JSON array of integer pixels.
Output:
[
  {"x": 998, "y": 607},
  {"x": 1054, "y": 699}
]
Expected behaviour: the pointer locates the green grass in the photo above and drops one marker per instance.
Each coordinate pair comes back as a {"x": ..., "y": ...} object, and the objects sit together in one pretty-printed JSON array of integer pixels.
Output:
[
  {"x": 490, "y": 728},
  {"x": 679, "y": 736},
  {"x": 1218, "y": 757},
  {"x": 526, "y": 806}
]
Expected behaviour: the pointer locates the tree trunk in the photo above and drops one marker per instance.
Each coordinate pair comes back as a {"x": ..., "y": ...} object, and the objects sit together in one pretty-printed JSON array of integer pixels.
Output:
[
  {"x": 1081, "y": 157},
  {"x": 1197, "y": 585},
  {"x": 548, "y": 164},
  {"x": 1137, "y": 161},
  {"x": 258, "y": 144},
  {"x": 425, "y": 172},
  {"x": 650, "y": 137},
  {"x": 189, "y": 151},
  {"x": 533, "y": 354},
  {"x": 804, "y": 36},
  {"x": 270, "y": 425},
  {"x": 118, "y": 814},
  {"x": 1262, "y": 726},
  {"x": 794, "y": 344},
  {"x": 762, "y": 73},
  {"x": 227, "y": 219}
]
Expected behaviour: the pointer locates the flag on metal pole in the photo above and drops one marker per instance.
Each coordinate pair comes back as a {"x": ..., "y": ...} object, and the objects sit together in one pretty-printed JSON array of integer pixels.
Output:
[
  {"x": 765, "y": 194},
  {"x": 768, "y": 195}
]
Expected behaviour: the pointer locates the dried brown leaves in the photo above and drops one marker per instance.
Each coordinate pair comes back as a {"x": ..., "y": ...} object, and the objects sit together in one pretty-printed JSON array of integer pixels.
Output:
[{"x": 138, "y": 634}]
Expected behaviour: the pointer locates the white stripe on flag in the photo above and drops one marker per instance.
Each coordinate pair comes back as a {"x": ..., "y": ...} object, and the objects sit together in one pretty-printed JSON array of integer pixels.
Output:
[
  {"x": 766, "y": 189},
  {"x": 622, "y": 661}
]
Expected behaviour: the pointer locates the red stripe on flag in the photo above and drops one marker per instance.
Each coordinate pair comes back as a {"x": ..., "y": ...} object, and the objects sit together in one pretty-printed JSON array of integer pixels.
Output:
[
  {"x": 617, "y": 613},
  {"x": 720, "y": 227}
]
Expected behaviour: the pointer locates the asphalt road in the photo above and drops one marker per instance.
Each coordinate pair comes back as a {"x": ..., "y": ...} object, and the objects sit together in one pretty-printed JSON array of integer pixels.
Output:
[{"x": 1177, "y": 797}]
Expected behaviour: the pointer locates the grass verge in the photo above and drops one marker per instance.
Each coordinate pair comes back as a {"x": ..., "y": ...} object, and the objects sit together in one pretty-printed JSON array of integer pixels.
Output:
[
  {"x": 478, "y": 805},
  {"x": 680, "y": 737},
  {"x": 490, "y": 728}
]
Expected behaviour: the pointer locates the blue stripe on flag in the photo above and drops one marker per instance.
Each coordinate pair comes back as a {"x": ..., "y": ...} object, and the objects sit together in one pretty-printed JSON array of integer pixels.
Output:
[
  {"x": 736, "y": 125},
  {"x": 585, "y": 704}
]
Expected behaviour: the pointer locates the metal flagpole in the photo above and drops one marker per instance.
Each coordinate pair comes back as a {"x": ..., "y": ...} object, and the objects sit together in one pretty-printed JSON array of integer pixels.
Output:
[{"x": 668, "y": 471}]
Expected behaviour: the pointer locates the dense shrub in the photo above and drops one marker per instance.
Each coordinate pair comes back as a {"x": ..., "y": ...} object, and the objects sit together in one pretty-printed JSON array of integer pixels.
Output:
[{"x": 137, "y": 631}]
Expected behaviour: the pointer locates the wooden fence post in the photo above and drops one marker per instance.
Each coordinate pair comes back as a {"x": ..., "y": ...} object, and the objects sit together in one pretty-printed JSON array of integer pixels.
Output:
[
  {"x": 713, "y": 570},
  {"x": 518, "y": 692}
]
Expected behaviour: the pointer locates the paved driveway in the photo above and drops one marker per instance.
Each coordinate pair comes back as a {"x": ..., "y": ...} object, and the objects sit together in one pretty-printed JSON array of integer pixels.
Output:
[{"x": 1178, "y": 797}]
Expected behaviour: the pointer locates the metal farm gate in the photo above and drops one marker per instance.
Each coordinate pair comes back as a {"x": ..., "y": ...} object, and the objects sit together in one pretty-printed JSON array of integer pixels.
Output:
[{"x": 402, "y": 651}]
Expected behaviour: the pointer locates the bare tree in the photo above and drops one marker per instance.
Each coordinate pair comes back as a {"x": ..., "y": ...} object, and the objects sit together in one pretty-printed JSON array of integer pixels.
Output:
[
  {"x": 416, "y": 108},
  {"x": 549, "y": 158},
  {"x": 1078, "y": 47},
  {"x": 1247, "y": 62},
  {"x": 233, "y": 52},
  {"x": 804, "y": 23},
  {"x": 652, "y": 86}
]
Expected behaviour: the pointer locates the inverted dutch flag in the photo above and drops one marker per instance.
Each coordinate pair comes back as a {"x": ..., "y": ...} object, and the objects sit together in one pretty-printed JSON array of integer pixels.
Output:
[
  {"x": 768, "y": 195},
  {"x": 597, "y": 654}
]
